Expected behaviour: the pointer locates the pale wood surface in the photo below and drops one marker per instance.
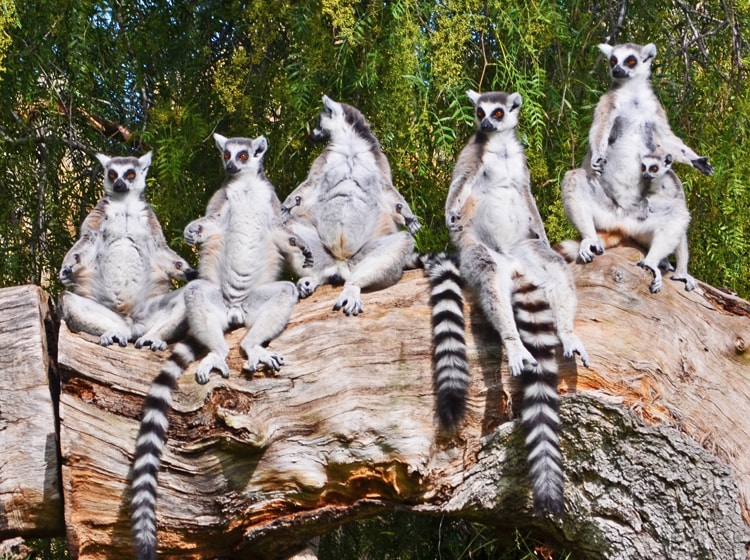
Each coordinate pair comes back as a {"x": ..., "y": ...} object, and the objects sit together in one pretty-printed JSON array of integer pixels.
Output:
[
  {"x": 655, "y": 433},
  {"x": 30, "y": 496}
]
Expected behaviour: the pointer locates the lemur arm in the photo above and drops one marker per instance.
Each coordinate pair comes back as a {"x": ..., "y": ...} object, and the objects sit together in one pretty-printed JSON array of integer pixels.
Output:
[
  {"x": 173, "y": 264},
  {"x": 82, "y": 250},
  {"x": 297, "y": 196},
  {"x": 604, "y": 119},
  {"x": 194, "y": 231},
  {"x": 674, "y": 145}
]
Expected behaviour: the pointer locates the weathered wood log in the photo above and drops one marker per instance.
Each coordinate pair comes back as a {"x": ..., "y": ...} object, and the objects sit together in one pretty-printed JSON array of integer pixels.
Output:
[
  {"x": 30, "y": 496},
  {"x": 654, "y": 434}
]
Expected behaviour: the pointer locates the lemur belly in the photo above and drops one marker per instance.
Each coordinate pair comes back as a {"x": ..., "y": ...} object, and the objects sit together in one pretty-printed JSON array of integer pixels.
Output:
[
  {"x": 351, "y": 219},
  {"x": 501, "y": 218},
  {"x": 123, "y": 274}
]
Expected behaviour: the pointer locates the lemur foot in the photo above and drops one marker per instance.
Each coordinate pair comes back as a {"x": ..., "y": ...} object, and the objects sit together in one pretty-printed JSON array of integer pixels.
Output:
[
  {"x": 518, "y": 357},
  {"x": 349, "y": 300},
  {"x": 590, "y": 246},
  {"x": 656, "y": 284},
  {"x": 690, "y": 282},
  {"x": 572, "y": 345},
  {"x": 211, "y": 362},
  {"x": 152, "y": 342},
  {"x": 259, "y": 356},
  {"x": 109, "y": 338}
]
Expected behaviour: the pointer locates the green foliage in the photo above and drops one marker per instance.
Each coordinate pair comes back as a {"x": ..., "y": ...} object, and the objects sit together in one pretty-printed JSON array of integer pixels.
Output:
[
  {"x": 124, "y": 78},
  {"x": 405, "y": 536}
]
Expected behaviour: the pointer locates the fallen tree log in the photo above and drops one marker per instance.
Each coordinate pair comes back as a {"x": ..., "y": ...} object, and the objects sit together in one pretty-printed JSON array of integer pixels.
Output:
[
  {"x": 30, "y": 494},
  {"x": 654, "y": 434}
]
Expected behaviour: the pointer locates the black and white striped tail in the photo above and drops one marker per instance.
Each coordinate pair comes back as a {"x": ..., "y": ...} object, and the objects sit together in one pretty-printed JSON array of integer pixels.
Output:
[
  {"x": 448, "y": 333},
  {"x": 148, "y": 450},
  {"x": 539, "y": 411}
]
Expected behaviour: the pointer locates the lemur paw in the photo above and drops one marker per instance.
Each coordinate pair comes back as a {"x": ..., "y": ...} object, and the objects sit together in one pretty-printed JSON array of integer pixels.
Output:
[
  {"x": 665, "y": 265},
  {"x": 702, "y": 165},
  {"x": 454, "y": 222},
  {"x": 656, "y": 284},
  {"x": 66, "y": 274},
  {"x": 349, "y": 301},
  {"x": 590, "y": 246},
  {"x": 306, "y": 286},
  {"x": 211, "y": 362},
  {"x": 413, "y": 225},
  {"x": 109, "y": 338},
  {"x": 518, "y": 358},
  {"x": 597, "y": 164},
  {"x": 690, "y": 282},
  {"x": 259, "y": 356},
  {"x": 193, "y": 234}
]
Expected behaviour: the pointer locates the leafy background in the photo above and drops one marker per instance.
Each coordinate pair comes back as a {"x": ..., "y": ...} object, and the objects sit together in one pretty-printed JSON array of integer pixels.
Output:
[{"x": 82, "y": 76}]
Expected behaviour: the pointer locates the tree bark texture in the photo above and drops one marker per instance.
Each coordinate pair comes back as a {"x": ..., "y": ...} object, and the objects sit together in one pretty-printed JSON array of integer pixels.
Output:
[
  {"x": 30, "y": 495},
  {"x": 654, "y": 433}
]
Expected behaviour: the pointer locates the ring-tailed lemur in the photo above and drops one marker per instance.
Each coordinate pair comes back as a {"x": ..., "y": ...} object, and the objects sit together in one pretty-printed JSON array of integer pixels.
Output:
[
  {"x": 241, "y": 238},
  {"x": 524, "y": 288},
  {"x": 119, "y": 270},
  {"x": 347, "y": 212},
  {"x": 628, "y": 122}
]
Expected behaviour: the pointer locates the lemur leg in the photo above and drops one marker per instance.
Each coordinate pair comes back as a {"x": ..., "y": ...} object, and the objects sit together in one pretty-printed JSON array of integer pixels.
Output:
[
  {"x": 166, "y": 321},
  {"x": 579, "y": 203},
  {"x": 681, "y": 271},
  {"x": 664, "y": 241},
  {"x": 267, "y": 310},
  {"x": 489, "y": 275},
  {"x": 310, "y": 278},
  {"x": 208, "y": 320},
  {"x": 378, "y": 264},
  {"x": 86, "y": 315}
]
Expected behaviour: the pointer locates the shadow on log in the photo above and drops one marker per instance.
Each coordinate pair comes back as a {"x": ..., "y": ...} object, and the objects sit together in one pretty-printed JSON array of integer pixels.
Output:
[{"x": 654, "y": 434}]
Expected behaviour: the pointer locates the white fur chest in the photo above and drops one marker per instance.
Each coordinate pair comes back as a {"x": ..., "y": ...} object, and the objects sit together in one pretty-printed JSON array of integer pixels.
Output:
[{"x": 350, "y": 162}]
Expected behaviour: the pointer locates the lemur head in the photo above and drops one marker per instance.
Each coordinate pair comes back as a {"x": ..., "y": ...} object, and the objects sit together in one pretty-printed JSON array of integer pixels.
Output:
[
  {"x": 241, "y": 155},
  {"x": 629, "y": 61},
  {"x": 656, "y": 165},
  {"x": 495, "y": 111},
  {"x": 339, "y": 120},
  {"x": 124, "y": 176}
]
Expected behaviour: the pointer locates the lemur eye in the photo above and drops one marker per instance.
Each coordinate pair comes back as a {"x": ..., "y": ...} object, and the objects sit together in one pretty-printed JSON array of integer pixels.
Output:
[
  {"x": 243, "y": 155},
  {"x": 480, "y": 113},
  {"x": 643, "y": 168},
  {"x": 130, "y": 174},
  {"x": 612, "y": 61},
  {"x": 227, "y": 155},
  {"x": 112, "y": 174},
  {"x": 653, "y": 168},
  {"x": 631, "y": 61},
  {"x": 498, "y": 113}
]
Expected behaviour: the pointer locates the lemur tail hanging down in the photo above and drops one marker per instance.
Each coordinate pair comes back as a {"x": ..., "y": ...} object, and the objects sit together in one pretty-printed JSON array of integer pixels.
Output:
[
  {"x": 451, "y": 367},
  {"x": 241, "y": 240}
]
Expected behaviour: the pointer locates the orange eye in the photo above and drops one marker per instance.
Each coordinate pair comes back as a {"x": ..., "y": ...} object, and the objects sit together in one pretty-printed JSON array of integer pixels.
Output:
[
  {"x": 227, "y": 155},
  {"x": 130, "y": 175},
  {"x": 243, "y": 155},
  {"x": 643, "y": 168},
  {"x": 112, "y": 175},
  {"x": 480, "y": 113},
  {"x": 653, "y": 168},
  {"x": 499, "y": 113},
  {"x": 631, "y": 61}
]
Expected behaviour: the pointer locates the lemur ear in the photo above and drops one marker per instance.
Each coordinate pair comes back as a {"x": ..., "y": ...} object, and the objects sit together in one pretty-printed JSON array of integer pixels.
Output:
[
  {"x": 648, "y": 52},
  {"x": 606, "y": 49},
  {"x": 145, "y": 160},
  {"x": 669, "y": 159},
  {"x": 473, "y": 97},
  {"x": 515, "y": 100},
  {"x": 221, "y": 141}
]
